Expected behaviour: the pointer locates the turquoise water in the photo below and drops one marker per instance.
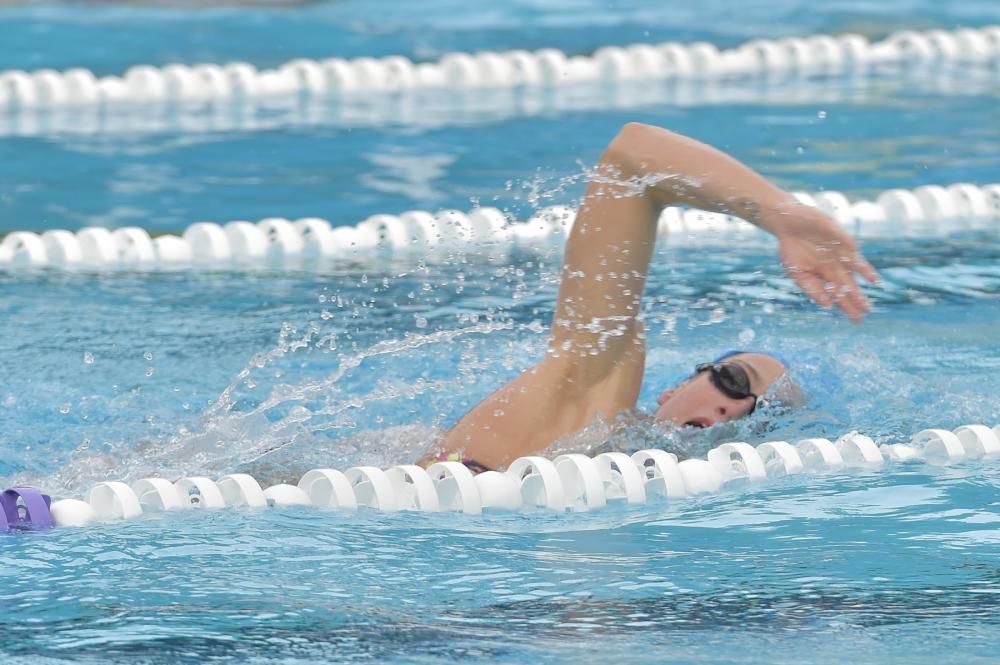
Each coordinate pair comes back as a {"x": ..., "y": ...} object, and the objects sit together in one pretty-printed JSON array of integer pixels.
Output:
[{"x": 118, "y": 374}]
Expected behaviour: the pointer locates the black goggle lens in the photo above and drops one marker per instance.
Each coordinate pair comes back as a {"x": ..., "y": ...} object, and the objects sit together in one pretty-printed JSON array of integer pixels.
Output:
[{"x": 731, "y": 380}]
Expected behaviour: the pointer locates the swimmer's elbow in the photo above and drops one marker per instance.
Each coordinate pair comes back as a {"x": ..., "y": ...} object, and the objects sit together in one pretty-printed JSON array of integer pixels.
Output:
[
  {"x": 636, "y": 131},
  {"x": 633, "y": 140},
  {"x": 623, "y": 147}
]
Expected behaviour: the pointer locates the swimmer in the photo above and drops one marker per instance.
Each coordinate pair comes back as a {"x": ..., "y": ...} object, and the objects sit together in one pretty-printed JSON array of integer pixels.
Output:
[{"x": 594, "y": 364}]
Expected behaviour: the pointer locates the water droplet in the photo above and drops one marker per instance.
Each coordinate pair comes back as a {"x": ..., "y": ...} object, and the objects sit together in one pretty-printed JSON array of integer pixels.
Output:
[
  {"x": 64, "y": 408},
  {"x": 420, "y": 321},
  {"x": 149, "y": 371},
  {"x": 821, "y": 115},
  {"x": 148, "y": 355},
  {"x": 746, "y": 336},
  {"x": 88, "y": 357},
  {"x": 326, "y": 315}
]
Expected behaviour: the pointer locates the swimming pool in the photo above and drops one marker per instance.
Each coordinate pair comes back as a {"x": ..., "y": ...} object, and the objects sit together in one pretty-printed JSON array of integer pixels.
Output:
[{"x": 115, "y": 374}]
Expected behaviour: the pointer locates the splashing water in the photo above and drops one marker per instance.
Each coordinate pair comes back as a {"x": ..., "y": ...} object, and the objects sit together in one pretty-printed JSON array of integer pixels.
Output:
[{"x": 393, "y": 356}]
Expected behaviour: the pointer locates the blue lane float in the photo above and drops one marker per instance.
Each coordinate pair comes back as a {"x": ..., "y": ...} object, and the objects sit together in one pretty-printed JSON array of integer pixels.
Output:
[{"x": 25, "y": 508}]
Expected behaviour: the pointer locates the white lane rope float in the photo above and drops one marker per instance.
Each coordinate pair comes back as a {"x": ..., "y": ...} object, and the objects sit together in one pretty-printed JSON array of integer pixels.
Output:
[
  {"x": 475, "y": 106},
  {"x": 927, "y": 211},
  {"x": 430, "y": 109},
  {"x": 794, "y": 57},
  {"x": 572, "y": 482}
]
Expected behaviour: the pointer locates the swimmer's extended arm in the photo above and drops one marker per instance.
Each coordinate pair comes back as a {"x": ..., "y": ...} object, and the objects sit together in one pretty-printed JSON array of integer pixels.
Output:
[
  {"x": 596, "y": 355},
  {"x": 645, "y": 169}
]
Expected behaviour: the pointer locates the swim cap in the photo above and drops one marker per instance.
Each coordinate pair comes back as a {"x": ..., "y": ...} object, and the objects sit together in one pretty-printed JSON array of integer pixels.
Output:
[
  {"x": 784, "y": 390},
  {"x": 736, "y": 352}
]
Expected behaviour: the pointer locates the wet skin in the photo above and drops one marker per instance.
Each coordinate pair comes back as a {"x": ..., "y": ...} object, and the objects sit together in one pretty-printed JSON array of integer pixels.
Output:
[{"x": 595, "y": 361}]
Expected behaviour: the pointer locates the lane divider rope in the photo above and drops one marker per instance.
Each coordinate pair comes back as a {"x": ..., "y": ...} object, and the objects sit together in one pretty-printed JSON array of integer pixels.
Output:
[
  {"x": 476, "y": 106},
  {"x": 572, "y": 482},
  {"x": 817, "y": 55},
  {"x": 930, "y": 210}
]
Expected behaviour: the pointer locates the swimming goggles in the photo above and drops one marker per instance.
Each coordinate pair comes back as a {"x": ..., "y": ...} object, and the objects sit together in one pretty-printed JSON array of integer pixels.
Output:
[{"x": 731, "y": 380}]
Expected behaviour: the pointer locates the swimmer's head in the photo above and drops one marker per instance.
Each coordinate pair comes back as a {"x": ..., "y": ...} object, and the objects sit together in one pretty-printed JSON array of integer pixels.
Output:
[{"x": 720, "y": 391}]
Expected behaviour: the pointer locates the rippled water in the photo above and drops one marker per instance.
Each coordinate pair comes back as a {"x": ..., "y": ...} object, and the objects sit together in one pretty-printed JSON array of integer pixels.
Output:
[
  {"x": 818, "y": 568},
  {"x": 822, "y": 569},
  {"x": 363, "y": 365},
  {"x": 120, "y": 374}
]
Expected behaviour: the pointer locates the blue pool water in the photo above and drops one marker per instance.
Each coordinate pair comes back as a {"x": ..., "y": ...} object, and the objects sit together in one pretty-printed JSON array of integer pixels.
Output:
[{"x": 115, "y": 375}]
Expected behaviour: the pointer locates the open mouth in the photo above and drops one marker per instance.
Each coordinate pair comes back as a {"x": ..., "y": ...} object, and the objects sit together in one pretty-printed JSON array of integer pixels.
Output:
[{"x": 700, "y": 423}]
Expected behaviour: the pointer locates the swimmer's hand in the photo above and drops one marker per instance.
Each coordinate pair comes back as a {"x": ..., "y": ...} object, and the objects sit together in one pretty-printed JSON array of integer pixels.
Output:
[{"x": 820, "y": 257}]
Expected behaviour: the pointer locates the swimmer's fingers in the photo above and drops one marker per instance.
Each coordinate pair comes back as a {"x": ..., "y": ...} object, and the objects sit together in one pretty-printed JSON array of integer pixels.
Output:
[
  {"x": 847, "y": 252},
  {"x": 822, "y": 261},
  {"x": 812, "y": 285},
  {"x": 865, "y": 269},
  {"x": 846, "y": 293}
]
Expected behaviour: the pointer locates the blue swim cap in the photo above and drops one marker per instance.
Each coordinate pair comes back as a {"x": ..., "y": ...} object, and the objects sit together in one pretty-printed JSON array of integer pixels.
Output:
[{"x": 736, "y": 352}]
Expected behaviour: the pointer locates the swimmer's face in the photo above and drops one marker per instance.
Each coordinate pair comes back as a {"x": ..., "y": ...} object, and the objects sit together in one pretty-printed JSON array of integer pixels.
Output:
[{"x": 699, "y": 403}]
